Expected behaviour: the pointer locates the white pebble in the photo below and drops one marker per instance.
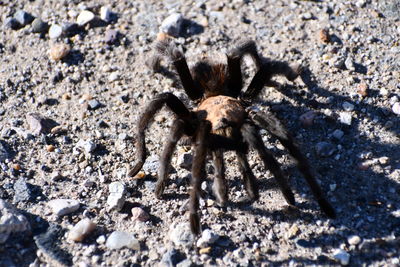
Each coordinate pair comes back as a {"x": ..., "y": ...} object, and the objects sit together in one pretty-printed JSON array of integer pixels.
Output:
[
  {"x": 396, "y": 108},
  {"x": 55, "y": 31},
  {"x": 207, "y": 238},
  {"x": 62, "y": 207},
  {"x": 118, "y": 240},
  {"x": 172, "y": 24},
  {"x": 181, "y": 235},
  {"x": 348, "y": 106},
  {"x": 105, "y": 13},
  {"x": 354, "y": 240},
  {"x": 342, "y": 256},
  {"x": 81, "y": 230},
  {"x": 345, "y": 118},
  {"x": 84, "y": 17}
]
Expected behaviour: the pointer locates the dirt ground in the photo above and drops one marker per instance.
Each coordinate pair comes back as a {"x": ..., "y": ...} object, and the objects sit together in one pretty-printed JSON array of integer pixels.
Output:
[{"x": 350, "y": 86}]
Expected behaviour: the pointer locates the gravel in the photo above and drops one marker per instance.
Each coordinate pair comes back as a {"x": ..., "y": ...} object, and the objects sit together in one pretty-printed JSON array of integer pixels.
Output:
[{"x": 68, "y": 130}]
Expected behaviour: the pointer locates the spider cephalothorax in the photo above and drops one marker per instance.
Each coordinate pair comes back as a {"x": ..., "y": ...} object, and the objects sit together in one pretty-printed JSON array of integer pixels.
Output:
[{"x": 220, "y": 122}]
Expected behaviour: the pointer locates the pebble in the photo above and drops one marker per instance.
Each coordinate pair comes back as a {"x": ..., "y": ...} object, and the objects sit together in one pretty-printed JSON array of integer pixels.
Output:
[
  {"x": 345, "y": 118},
  {"x": 105, "y": 13},
  {"x": 5, "y": 153},
  {"x": 396, "y": 108},
  {"x": 151, "y": 164},
  {"x": 118, "y": 240},
  {"x": 342, "y": 256},
  {"x": 111, "y": 36},
  {"x": 88, "y": 145},
  {"x": 238, "y": 253},
  {"x": 11, "y": 221},
  {"x": 362, "y": 89},
  {"x": 354, "y": 240},
  {"x": 84, "y": 17},
  {"x": 348, "y": 106},
  {"x": 59, "y": 51},
  {"x": 114, "y": 76},
  {"x": 338, "y": 134},
  {"x": 55, "y": 31},
  {"x": 116, "y": 197},
  {"x": 23, "y": 17},
  {"x": 61, "y": 207},
  {"x": 22, "y": 191},
  {"x": 185, "y": 263},
  {"x": 170, "y": 258},
  {"x": 39, "y": 124},
  {"x": 181, "y": 235},
  {"x": 138, "y": 214},
  {"x": 324, "y": 36},
  {"x": 11, "y": 23},
  {"x": 101, "y": 240},
  {"x": 292, "y": 232},
  {"x": 208, "y": 237},
  {"x": 325, "y": 149},
  {"x": 172, "y": 25},
  {"x": 185, "y": 160},
  {"x": 70, "y": 28},
  {"x": 94, "y": 104},
  {"x": 39, "y": 26},
  {"x": 82, "y": 229},
  {"x": 307, "y": 119},
  {"x": 349, "y": 63}
]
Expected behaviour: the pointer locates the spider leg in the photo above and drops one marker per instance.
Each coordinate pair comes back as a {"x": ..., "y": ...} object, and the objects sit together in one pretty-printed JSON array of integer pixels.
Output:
[
  {"x": 156, "y": 104},
  {"x": 198, "y": 174},
  {"x": 269, "y": 122},
  {"x": 249, "y": 179},
  {"x": 251, "y": 136},
  {"x": 168, "y": 49},
  {"x": 165, "y": 161},
  {"x": 265, "y": 73},
  {"x": 220, "y": 187},
  {"x": 234, "y": 57}
]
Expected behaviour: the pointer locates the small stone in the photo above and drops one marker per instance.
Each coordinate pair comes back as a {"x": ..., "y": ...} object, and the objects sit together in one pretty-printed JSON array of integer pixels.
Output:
[
  {"x": 181, "y": 235},
  {"x": 324, "y": 36},
  {"x": 348, "y": 106},
  {"x": 383, "y": 160},
  {"x": 170, "y": 258},
  {"x": 162, "y": 36},
  {"x": 207, "y": 238},
  {"x": 342, "y": 256},
  {"x": 105, "y": 13},
  {"x": 151, "y": 164},
  {"x": 39, "y": 124},
  {"x": 396, "y": 108},
  {"x": 22, "y": 191},
  {"x": 89, "y": 146},
  {"x": 138, "y": 214},
  {"x": 325, "y": 149},
  {"x": 206, "y": 250},
  {"x": 185, "y": 160},
  {"x": 172, "y": 24},
  {"x": 111, "y": 36},
  {"x": 338, "y": 134},
  {"x": 238, "y": 253},
  {"x": 84, "y": 17},
  {"x": 384, "y": 92},
  {"x": 61, "y": 207},
  {"x": 70, "y": 29},
  {"x": 307, "y": 16},
  {"x": 59, "y": 51},
  {"x": 94, "y": 104},
  {"x": 292, "y": 232},
  {"x": 114, "y": 76},
  {"x": 118, "y": 240},
  {"x": 11, "y": 23},
  {"x": 349, "y": 63},
  {"x": 5, "y": 152},
  {"x": 11, "y": 221},
  {"x": 354, "y": 240},
  {"x": 362, "y": 89},
  {"x": 101, "y": 240},
  {"x": 39, "y": 26},
  {"x": 345, "y": 118},
  {"x": 50, "y": 148},
  {"x": 82, "y": 229},
  {"x": 116, "y": 197},
  {"x": 23, "y": 18},
  {"x": 307, "y": 119},
  {"x": 16, "y": 167},
  {"x": 55, "y": 31},
  {"x": 185, "y": 263}
]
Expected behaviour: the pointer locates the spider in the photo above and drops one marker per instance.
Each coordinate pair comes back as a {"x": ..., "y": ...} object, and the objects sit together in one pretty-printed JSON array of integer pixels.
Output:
[{"x": 223, "y": 121}]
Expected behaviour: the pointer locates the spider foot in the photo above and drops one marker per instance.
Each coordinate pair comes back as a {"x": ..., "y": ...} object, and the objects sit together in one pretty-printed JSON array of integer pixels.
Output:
[
  {"x": 160, "y": 186},
  {"x": 195, "y": 226},
  {"x": 135, "y": 169}
]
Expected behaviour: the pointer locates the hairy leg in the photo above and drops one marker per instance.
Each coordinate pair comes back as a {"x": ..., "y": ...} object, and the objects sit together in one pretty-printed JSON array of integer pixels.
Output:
[
  {"x": 165, "y": 161},
  {"x": 220, "y": 187},
  {"x": 198, "y": 174},
  {"x": 250, "y": 182},
  {"x": 155, "y": 105},
  {"x": 251, "y": 136},
  {"x": 269, "y": 122}
]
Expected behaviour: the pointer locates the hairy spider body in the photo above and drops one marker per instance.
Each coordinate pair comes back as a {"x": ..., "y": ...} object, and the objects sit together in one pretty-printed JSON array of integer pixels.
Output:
[{"x": 220, "y": 123}]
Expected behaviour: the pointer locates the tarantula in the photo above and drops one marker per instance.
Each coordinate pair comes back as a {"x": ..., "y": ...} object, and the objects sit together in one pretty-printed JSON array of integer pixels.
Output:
[{"x": 222, "y": 122}]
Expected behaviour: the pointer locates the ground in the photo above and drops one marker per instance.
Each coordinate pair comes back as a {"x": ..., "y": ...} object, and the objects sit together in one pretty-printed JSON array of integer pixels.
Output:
[{"x": 350, "y": 87}]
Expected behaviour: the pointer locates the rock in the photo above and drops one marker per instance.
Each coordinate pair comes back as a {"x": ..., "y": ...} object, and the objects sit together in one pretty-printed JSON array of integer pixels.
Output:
[
  {"x": 325, "y": 149},
  {"x": 362, "y": 89},
  {"x": 59, "y": 51},
  {"x": 138, "y": 214},
  {"x": 114, "y": 76},
  {"x": 101, "y": 239},
  {"x": 348, "y": 106},
  {"x": 238, "y": 253},
  {"x": 118, "y": 240},
  {"x": 105, "y": 13},
  {"x": 345, "y": 118},
  {"x": 61, "y": 207},
  {"x": 23, "y": 18},
  {"x": 324, "y": 36},
  {"x": 349, "y": 63},
  {"x": 185, "y": 263},
  {"x": 342, "y": 256},
  {"x": 88, "y": 145},
  {"x": 207, "y": 238},
  {"x": 5, "y": 153},
  {"x": 55, "y": 31},
  {"x": 171, "y": 258},
  {"x": 39, "y": 26},
  {"x": 22, "y": 191},
  {"x": 111, "y": 36},
  {"x": 354, "y": 240},
  {"x": 70, "y": 28},
  {"x": 39, "y": 124},
  {"x": 94, "y": 104},
  {"x": 396, "y": 108},
  {"x": 292, "y": 232},
  {"x": 116, "y": 197},
  {"x": 181, "y": 235},
  {"x": 185, "y": 160},
  {"x": 11, "y": 221},
  {"x": 172, "y": 25},
  {"x": 307, "y": 119},
  {"x": 151, "y": 164},
  {"x": 82, "y": 229},
  {"x": 84, "y": 17},
  {"x": 338, "y": 134},
  {"x": 11, "y": 23}
]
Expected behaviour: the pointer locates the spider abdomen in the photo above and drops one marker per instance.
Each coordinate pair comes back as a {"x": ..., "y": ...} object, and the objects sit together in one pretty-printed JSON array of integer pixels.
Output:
[{"x": 222, "y": 111}]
